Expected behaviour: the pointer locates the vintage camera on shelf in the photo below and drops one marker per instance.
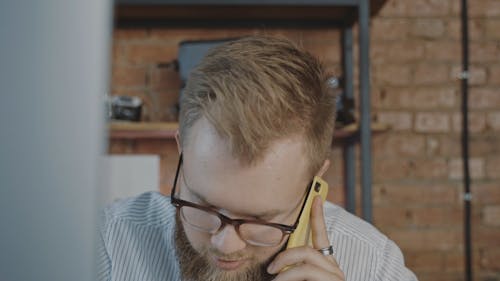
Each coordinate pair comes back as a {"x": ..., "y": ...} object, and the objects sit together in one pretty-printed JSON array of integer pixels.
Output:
[
  {"x": 125, "y": 108},
  {"x": 344, "y": 105}
]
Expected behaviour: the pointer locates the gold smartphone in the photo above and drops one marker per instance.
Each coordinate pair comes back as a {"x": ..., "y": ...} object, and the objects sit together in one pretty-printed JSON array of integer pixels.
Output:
[{"x": 302, "y": 234}]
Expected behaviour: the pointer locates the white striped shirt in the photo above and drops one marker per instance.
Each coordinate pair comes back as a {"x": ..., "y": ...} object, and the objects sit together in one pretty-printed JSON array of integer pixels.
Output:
[{"x": 137, "y": 243}]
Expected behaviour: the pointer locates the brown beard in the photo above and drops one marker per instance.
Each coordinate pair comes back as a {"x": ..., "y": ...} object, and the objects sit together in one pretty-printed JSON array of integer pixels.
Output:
[{"x": 195, "y": 266}]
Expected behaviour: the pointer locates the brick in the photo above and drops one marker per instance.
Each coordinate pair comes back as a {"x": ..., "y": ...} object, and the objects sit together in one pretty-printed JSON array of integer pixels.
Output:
[
  {"x": 151, "y": 53},
  {"x": 427, "y": 8},
  {"x": 425, "y": 261},
  {"x": 391, "y": 74},
  {"x": 156, "y": 146},
  {"x": 476, "y": 168},
  {"x": 417, "y": 216},
  {"x": 490, "y": 258},
  {"x": 450, "y": 146},
  {"x": 396, "y": 120},
  {"x": 491, "y": 215},
  {"x": 396, "y": 51},
  {"x": 118, "y": 55},
  {"x": 476, "y": 29},
  {"x": 129, "y": 34},
  {"x": 128, "y": 76},
  {"x": 391, "y": 169},
  {"x": 334, "y": 175},
  {"x": 176, "y": 35},
  {"x": 486, "y": 236},
  {"x": 419, "y": 97},
  {"x": 168, "y": 165},
  {"x": 431, "y": 122},
  {"x": 476, "y": 122},
  {"x": 165, "y": 79},
  {"x": 493, "y": 29},
  {"x": 335, "y": 68},
  {"x": 494, "y": 75},
  {"x": 442, "y": 51},
  {"x": 389, "y": 28},
  {"x": 437, "y": 216},
  {"x": 441, "y": 276},
  {"x": 477, "y": 74},
  {"x": 443, "y": 145},
  {"x": 480, "y": 8},
  {"x": 120, "y": 146},
  {"x": 434, "y": 168},
  {"x": 493, "y": 120},
  {"x": 325, "y": 52},
  {"x": 430, "y": 28},
  {"x": 393, "y": 8},
  {"x": 484, "y": 52},
  {"x": 454, "y": 260},
  {"x": 427, "y": 239},
  {"x": 493, "y": 167},
  {"x": 398, "y": 145},
  {"x": 484, "y": 98},
  {"x": 292, "y": 34},
  {"x": 435, "y": 97},
  {"x": 166, "y": 105},
  {"x": 392, "y": 98},
  {"x": 336, "y": 194},
  {"x": 296, "y": 34},
  {"x": 405, "y": 194},
  {"x": 330, "y": 35},
  {"x": 486, "y": 193},
  {"x": 481, "y": 146},
  {"x": 389, "y": 216},
  {"x": 432, "y": 145},
  {"x": 431, "y": 74}
]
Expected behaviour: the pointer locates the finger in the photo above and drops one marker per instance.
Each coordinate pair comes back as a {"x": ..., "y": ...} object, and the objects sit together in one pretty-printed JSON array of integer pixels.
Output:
[
  {"x": 309, "y": 272},
  {"x": 301, "y": 255},
  {"x": 318, "y": 227}
]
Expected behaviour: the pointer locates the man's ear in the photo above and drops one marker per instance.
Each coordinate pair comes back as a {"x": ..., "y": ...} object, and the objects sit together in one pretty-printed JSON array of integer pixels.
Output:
[
  {"x": 323, "y": 168},
  {"x": 178, "y": 141}
]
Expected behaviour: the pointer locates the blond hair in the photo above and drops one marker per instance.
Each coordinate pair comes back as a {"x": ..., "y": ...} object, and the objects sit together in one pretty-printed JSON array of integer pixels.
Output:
[{"x": 257, "y": 90}]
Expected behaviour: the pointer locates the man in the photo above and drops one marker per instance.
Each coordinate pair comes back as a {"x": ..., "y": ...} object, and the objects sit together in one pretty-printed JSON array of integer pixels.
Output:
[{"x": 256, "y": 125}]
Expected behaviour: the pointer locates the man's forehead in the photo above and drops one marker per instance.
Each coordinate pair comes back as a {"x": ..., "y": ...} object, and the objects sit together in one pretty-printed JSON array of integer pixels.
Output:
[{"x": 214, "y": 173}]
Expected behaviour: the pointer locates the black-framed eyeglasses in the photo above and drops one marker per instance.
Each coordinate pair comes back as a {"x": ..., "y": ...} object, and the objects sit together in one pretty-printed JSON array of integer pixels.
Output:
[{"x": 207, "y": 219}]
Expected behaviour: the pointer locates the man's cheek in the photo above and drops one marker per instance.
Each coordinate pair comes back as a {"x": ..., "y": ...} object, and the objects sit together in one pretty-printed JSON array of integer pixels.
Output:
[{"x": 197, "y": 239}]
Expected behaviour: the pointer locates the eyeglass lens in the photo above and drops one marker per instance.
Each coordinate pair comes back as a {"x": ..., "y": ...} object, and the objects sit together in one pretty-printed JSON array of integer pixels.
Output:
[{"x": 255, "y": 234}]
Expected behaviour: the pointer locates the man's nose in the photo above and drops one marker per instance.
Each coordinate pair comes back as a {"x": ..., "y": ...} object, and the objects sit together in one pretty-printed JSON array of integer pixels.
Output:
[{"x": 227, "y": 240}]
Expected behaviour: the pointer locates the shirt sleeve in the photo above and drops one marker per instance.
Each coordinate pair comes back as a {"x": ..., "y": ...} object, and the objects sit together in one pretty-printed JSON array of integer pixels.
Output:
[{"x": 392, "y": 266}]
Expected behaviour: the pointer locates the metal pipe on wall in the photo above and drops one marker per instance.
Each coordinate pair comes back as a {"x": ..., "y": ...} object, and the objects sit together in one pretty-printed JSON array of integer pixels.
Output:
[
  {"x": 364, "y": 108},
  {"x": 465, "y": 141}
]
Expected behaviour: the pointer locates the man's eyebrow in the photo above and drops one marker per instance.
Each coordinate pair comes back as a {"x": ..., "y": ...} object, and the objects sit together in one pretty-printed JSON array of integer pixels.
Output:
[{"x": 265, "y": 214}]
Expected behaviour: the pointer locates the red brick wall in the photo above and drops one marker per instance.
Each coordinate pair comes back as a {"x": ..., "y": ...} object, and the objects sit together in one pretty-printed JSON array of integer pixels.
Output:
[{"x": 415, "y": 59}]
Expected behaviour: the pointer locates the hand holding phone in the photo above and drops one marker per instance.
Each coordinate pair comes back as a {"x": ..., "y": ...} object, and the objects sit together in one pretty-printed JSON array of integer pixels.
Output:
[
  {"x": 307, "y": 263},
  {"x": 302, "y": 234}
]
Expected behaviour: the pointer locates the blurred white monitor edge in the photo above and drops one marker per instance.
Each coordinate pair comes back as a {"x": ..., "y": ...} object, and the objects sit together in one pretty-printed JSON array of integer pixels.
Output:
[{"x": 53, "y": 77}]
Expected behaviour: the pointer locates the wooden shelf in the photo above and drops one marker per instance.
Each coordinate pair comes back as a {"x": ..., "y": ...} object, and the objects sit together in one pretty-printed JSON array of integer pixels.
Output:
[
  {"x": 142, "y": 130},
  {"x": 167, "y": 130}
]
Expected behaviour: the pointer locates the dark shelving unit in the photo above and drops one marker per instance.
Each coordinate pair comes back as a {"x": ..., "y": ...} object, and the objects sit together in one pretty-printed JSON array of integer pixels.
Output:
[{"x": 339, "y": 14}]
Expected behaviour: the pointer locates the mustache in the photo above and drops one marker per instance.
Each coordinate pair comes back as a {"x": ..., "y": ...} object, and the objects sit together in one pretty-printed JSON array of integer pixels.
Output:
[{"x": 232, "y": 256}]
